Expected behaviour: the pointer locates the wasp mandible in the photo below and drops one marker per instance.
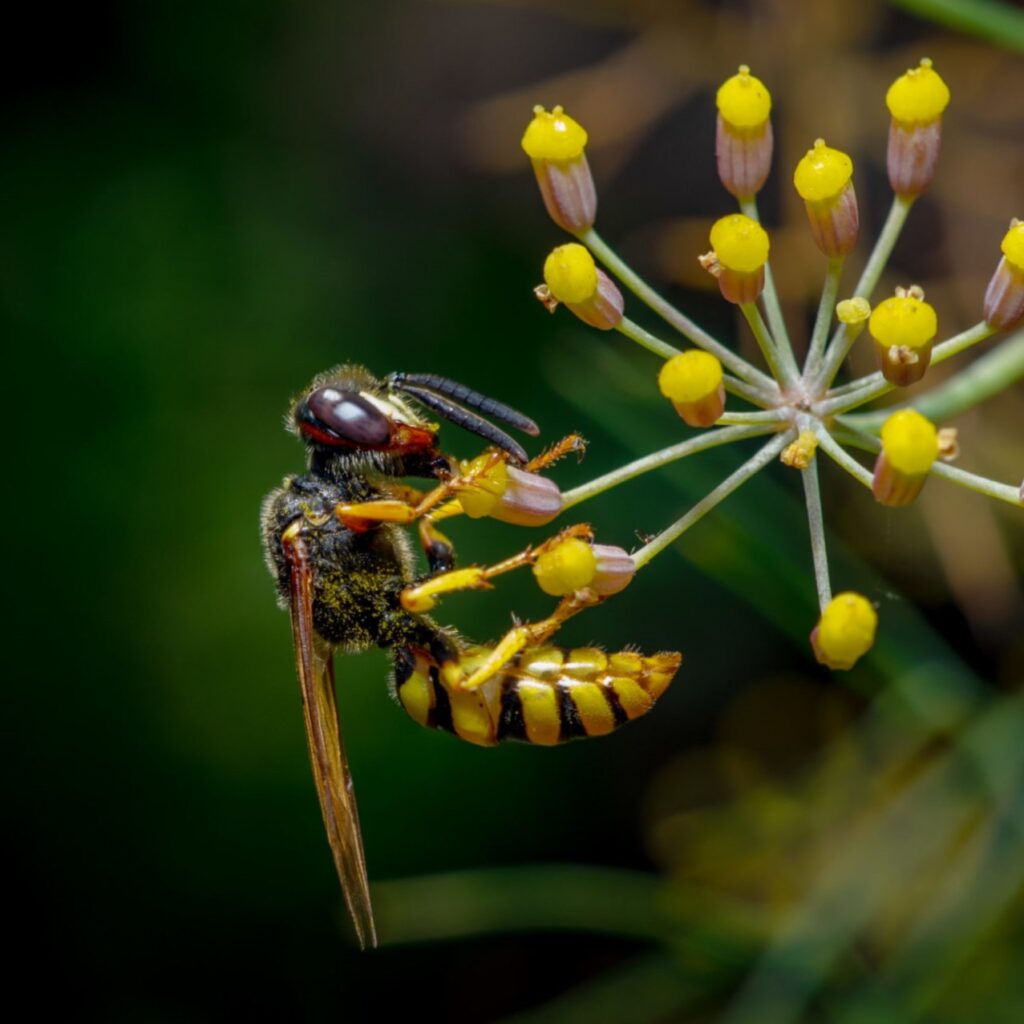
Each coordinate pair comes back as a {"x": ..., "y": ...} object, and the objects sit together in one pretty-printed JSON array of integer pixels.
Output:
[{"x": 335, "y": 543}]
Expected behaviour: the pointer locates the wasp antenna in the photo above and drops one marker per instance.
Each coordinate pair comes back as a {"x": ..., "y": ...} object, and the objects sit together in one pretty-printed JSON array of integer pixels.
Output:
[
  {"x": 467, "y": 396},
  {"x": 467, "y": 420}
]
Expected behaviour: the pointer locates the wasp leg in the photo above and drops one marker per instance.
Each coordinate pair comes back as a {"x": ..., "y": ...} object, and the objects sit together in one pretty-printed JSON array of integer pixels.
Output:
[
  {"x": 422, "y": 597},
  {"x": 571, "y": 443},
  {"x": 528, "y": 634},
  {"x": 437, "y": 547},
  {"x": 439, "y": 550},
  {"x": 364, "y": 515}
]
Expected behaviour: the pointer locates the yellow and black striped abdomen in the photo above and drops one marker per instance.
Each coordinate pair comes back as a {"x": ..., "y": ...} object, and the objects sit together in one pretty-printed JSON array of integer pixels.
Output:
[{"x": 546, "y": 695}]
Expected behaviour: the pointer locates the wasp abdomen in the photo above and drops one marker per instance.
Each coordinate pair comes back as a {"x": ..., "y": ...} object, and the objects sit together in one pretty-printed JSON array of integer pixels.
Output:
[{"x": 546, "y": 695}]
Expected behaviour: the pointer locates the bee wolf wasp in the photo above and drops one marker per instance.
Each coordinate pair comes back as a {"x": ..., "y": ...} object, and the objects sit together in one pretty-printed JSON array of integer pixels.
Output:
[{"x": 335, "y": 543}]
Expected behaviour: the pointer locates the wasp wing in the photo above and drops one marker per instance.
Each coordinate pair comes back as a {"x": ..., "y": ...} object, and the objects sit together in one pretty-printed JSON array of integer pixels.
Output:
[{"x": 326, "y": 749}]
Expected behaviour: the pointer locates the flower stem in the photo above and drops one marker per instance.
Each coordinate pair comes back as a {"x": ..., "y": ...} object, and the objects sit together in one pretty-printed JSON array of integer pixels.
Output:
[
  {"x": 857, "y": 392},
  {"x": 710, "y": 500},
  {"x": 764, "y": 340},
  {"x": 750, "y": 392},
  {"x": 710, "y": 439},
  {"x": 772, "y": 306},
  {"x": 669, "y": 313},
  {"x": 816, "y": 523},
  {"x": 761, "y": 416},
  {"x": 636, "y": 333},
  {"x": 981, "y": 484},
  {"x": 880, "y": 254},
  {"x": 838, "y": 349},
  {"x": 993, "y": 372},
  {"x": 826, "y": 307},
  {"x": 836, "y": 452},
  {"x": 883, "y": 247}
]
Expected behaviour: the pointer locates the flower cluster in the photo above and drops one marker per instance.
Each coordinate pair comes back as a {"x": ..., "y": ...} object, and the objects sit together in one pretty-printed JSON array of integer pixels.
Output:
[{"x": 794, "y": 405}]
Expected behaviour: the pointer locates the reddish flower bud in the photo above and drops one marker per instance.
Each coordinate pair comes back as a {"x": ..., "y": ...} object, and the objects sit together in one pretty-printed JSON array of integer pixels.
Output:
[{"x": 1004, "y": 297}]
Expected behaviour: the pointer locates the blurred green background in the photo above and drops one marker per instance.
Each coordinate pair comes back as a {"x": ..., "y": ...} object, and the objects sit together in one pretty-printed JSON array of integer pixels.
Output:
[{"x": 206, "y": 204}]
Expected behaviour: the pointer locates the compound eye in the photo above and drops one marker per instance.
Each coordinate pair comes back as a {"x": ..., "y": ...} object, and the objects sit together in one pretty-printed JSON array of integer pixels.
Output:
[{"x": 346, "y": 416}]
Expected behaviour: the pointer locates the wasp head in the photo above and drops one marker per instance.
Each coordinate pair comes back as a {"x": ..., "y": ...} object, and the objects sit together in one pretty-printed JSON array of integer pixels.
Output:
[{"x": 350, "y": 421}]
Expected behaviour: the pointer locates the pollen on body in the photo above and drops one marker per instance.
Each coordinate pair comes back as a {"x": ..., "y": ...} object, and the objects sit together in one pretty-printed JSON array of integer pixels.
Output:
[
  {"x": 553, "y": 135},
  {"x": 919, "y": 96},
  {"x": 743, "y": 100},
  {"x": 740, "y": 244},
  {"x": 570, "y": 273}
]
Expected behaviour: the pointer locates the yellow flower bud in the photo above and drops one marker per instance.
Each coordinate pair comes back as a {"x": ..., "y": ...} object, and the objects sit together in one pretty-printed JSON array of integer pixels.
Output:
[
  {"x": 573, "y": 278},
  {"x": 824, "y": 180},
  {"x": 1004, "y": 297},
  {"x": 910, "y": 445},
  {"x": 822, "y": 173},
  {"x": 507, "y": 494},
  {"x": 845, "y": 631},
  {"x": 565, "y": 566},
  {"x": 693, "y": 382},
  {"x": 743, "y": 136},
  {"x": 741, "y": 248},
  {"x": 555, "y": 144},
  {"x": 910, "y": 442},
  {"x": 853, "y": 311},
  {"x": 743, "y": 101},
  {"x": 740, "y": 243},
  {"x": 799, "y": 453},
  {"x": 570, "y": 273},
  {"x": 904, "y": 328},
  {"x": 481, "y": 497},
  {"x": 916, "y": 101},
  {"x": 1012, "y": 245},
  {"x": 918, "y": 96}
]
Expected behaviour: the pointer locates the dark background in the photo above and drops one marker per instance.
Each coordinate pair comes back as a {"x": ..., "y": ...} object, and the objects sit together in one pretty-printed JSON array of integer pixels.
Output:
[{"x": 206, "y": 204}]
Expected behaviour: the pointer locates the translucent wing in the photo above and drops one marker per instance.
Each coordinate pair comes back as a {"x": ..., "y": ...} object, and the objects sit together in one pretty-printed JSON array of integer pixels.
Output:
[{"x": 326, "y": 750}]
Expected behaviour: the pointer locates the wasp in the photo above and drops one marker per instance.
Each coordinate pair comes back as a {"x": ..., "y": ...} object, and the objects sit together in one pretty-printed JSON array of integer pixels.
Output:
[{"x": 335, "y": 542}]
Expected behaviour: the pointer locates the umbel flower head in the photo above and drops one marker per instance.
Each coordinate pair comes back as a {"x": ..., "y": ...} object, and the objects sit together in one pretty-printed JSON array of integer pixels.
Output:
[{"x": 793, "y": 406}]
